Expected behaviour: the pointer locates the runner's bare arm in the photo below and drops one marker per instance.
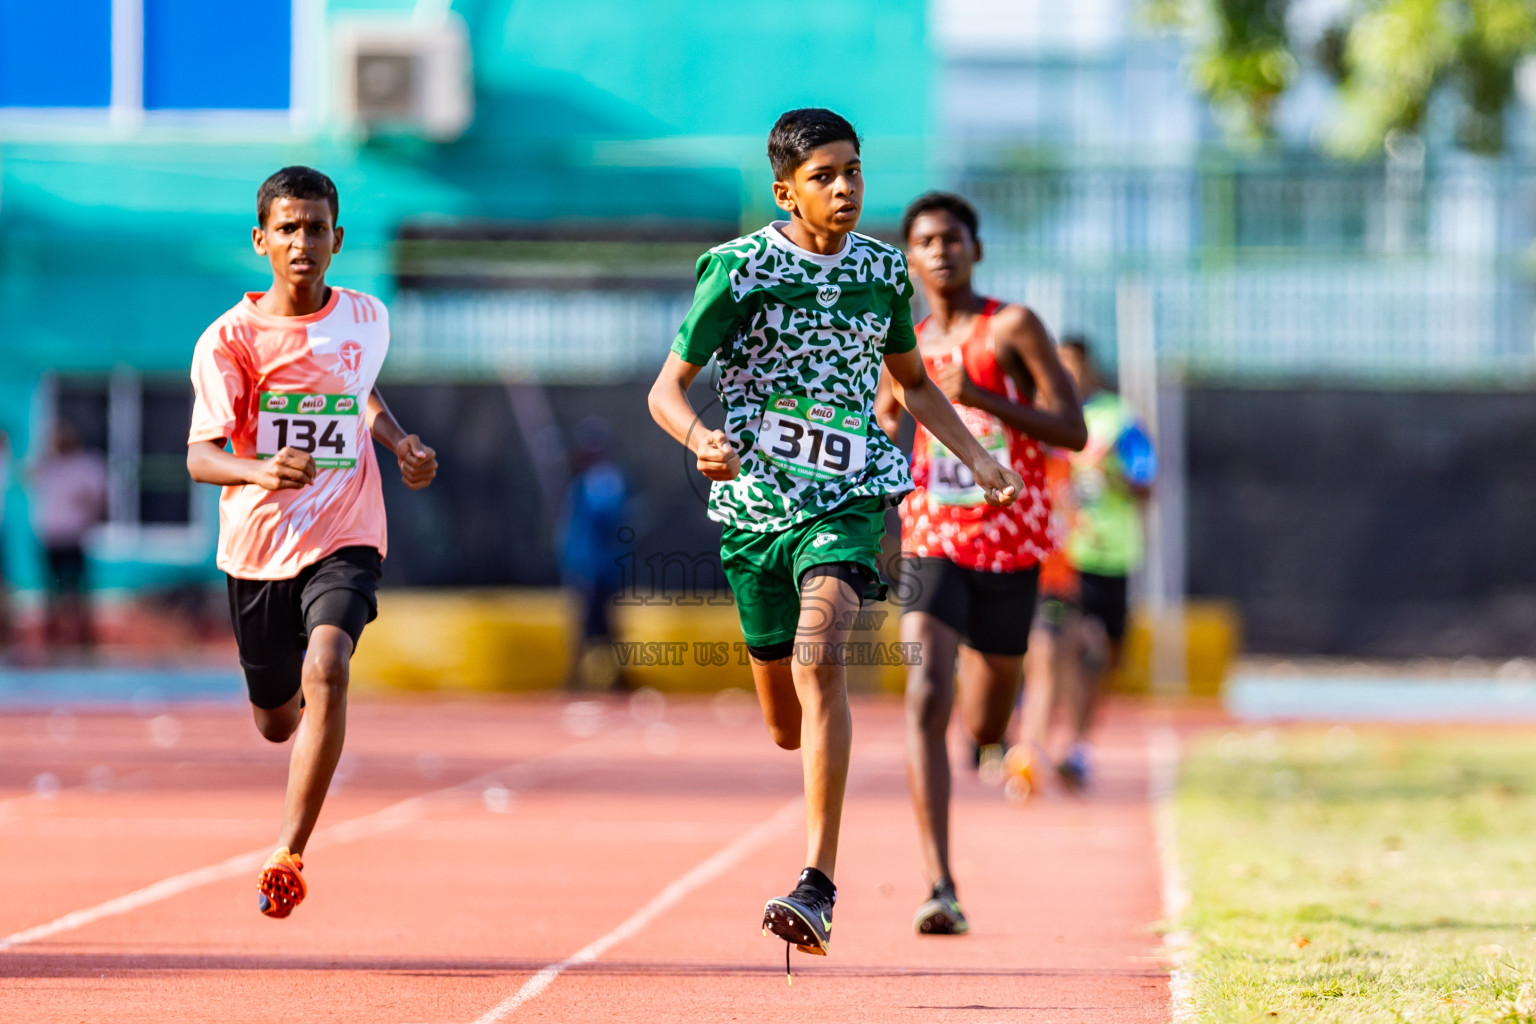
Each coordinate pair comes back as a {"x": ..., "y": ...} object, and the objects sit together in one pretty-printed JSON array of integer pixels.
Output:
[
  {"x": 1028, "y": 355},
  {"x": 418, "y": 463},
  {"x": 887, "y": 406},
  {"x": 209, "y": 463},
  {"x": 929, "y": 407},
  {"x": 670, "y": 408}
]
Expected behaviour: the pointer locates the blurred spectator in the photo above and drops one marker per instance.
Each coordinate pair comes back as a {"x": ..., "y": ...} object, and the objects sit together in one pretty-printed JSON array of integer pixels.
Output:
[
  {"x": 589, "y": 545},
  {"x": 69, "y": 496}
]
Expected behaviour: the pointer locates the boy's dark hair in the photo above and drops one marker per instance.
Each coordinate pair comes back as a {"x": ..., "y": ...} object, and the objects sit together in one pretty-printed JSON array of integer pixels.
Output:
[
  {"x": 950, "y": 203},
  {"x": 1079, "y": 343},
  {"x": 296, "y": 182},
  {"x": 797, "y": 132}
]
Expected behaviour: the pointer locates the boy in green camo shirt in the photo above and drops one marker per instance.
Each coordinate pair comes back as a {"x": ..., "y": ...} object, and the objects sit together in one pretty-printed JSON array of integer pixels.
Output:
[{"x": 800, "y": 316}]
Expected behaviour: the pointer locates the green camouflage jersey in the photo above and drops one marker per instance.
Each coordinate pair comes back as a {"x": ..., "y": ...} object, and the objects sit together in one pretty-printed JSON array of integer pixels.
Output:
[{"x": 799, "y": 338}]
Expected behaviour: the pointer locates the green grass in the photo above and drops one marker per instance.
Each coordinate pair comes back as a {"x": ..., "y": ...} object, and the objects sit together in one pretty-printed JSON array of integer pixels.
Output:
[{"x": 1348, "y": 877}]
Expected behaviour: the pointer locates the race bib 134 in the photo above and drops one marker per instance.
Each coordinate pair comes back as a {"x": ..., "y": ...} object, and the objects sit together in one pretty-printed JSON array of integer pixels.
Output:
[{"x": 325, "y": 426}]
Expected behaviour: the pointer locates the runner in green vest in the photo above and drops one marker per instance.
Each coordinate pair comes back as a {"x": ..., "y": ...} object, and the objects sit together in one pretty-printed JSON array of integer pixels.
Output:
[
  {"x": 800, "y": 316},
  {"x": 1111, "y": 480}
]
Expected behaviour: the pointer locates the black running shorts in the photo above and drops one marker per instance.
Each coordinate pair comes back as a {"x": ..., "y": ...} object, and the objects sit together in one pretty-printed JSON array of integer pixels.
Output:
[
  {"x": 273, "y": 618},
  {"x": 1103, "y": 598},
  {"x": 992, "y": 611}
]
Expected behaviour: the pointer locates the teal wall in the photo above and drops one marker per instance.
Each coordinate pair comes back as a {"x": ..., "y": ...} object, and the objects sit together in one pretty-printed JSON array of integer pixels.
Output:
[
  {"x": 714, "y": 68},
  {"x": 119, "y": 250}
]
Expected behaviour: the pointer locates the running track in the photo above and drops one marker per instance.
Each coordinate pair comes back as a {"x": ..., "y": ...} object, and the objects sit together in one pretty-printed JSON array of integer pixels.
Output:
[{"x": 500, "y": 860}]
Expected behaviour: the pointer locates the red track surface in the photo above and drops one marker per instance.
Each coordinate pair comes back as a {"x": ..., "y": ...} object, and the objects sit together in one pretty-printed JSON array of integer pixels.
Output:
[{"x": 443, "y": 909}]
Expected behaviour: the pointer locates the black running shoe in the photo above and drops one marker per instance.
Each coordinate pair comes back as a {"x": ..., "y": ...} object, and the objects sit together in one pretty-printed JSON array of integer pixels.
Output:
[
  {"x": 804, "y": 917},
  {"x": 941, "y": 915}
]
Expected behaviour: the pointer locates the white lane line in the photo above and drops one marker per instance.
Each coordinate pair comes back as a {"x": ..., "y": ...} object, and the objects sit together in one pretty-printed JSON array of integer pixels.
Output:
[
  {"x": 1178, "y": 945},
  {"x": 704, "y": 872},
  {"x": 385, "y": 819}
]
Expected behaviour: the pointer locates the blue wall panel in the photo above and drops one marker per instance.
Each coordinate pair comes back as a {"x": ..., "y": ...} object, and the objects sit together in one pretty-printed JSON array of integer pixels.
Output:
[
  {"x": 56, "y": 53},
  {"x": 224, "y": 55}
]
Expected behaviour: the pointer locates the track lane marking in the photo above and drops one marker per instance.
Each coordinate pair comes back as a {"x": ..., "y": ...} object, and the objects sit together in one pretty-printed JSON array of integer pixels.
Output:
[
  {"x": 385, "y": 819},
  {"x": 702, "y": 873},
  {"x": 1163, "y": 777}
]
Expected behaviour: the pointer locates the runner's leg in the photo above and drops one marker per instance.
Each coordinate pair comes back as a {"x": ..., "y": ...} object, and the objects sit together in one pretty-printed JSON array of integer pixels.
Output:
[
  {"x": 1048, "y": 671},
  {"x": 1000, "y": 611},
  {"x": 775, "y": 683},
  {"x": 930, "y": 699},
  {"x": 277, "y": 724},
  {"x": 1100, "y": 626},
  {"x": 831, "y": 568},
  {"x": 827, "y": 608},
  {"x": 1042, "y": 683},
  {"x": 762, "y": 580},
  {"x": 269, "y": 632},
  {"x": 317, "y": 749},
  {"x": 988, "y": 687},
  {"x": 1095, "y": 657},
  {"x": 1069, "y": 667}
]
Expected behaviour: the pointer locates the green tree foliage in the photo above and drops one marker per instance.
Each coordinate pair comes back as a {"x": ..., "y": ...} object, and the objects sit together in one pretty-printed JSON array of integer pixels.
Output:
[
  {"x": 1391, "y": 59},
  {"x": 1243, "y": 58}
]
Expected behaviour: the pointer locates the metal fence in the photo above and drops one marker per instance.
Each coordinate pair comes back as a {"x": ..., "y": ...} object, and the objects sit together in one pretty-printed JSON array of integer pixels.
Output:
[
  {"x": 1258, "y": 269},
  {"x": 1302, "y": 270}
]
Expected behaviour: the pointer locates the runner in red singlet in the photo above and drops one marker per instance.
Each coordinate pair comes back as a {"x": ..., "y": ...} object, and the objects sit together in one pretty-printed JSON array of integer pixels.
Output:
[{"x": 969, "y": 570}]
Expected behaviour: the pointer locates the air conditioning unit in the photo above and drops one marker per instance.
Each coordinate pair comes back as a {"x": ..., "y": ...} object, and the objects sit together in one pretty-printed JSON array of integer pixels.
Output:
[{"x": 406, "y": 75}]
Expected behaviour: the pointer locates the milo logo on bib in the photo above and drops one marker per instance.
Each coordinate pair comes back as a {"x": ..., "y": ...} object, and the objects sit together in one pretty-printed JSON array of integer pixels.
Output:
[
  {"x": 812, "y": 439},
  {"x": 324, "y": 426}
]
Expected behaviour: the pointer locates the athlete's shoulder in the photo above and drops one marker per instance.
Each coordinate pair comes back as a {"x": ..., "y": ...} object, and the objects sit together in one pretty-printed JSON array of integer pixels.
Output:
[
  {"x": 881, "y": 260},
  {"x": 361, "y": 307},
  {"x": 1016, "y": 320},
  {"x": 234, "y": 330},
  {"x": 750, "y": 262},
  {"x": 242, "y": 312},
  {"x": 1007, "y": 314},
  {"x": 877, "y": 248},
  {"x": 743, "y": 249}
]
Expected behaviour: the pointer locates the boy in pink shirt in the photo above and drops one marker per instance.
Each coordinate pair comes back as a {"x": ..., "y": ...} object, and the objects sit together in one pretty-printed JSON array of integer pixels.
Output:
[{"x": 285, "y": 414}]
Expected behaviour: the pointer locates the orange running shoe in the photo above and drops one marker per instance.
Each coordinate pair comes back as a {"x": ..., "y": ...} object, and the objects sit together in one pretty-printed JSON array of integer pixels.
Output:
[
  {"x": 281, "y": 887},
  {"x": 1019, "y": 781}
]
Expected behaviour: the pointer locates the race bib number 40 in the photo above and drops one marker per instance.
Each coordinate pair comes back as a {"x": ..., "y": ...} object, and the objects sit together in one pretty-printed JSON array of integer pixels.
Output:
[
  {"x": 813, "y": 439},
  {"x": 950, "y": 481},
  {"x": 325, "y": 426}
]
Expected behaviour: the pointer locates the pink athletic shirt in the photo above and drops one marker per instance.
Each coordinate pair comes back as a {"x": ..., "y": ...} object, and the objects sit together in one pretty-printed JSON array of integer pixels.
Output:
[{"x": 265, "y": 382}]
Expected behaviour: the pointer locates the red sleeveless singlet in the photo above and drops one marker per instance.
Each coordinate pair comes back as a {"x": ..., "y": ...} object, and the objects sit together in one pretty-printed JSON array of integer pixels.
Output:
[{"x": 947, "y": 516}]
